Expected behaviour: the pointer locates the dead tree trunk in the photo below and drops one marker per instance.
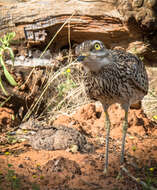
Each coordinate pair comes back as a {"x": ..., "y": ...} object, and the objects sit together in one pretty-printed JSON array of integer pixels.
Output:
[
  {"x": 116, "y": 23},
  {"x": 130, "y": 25},
  {"x": 30, "y": 84}
]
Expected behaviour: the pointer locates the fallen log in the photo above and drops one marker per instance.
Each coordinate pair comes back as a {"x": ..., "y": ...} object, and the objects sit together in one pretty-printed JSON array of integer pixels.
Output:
[
  {"x": 129, "y": 25},
  {"x": 116, "y": 23},
  {"x": 30, "y": 81}
]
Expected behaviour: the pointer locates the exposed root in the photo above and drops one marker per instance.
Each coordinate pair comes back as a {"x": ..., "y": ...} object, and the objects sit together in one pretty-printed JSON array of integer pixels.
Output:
[{"x": 137, "y": 180}]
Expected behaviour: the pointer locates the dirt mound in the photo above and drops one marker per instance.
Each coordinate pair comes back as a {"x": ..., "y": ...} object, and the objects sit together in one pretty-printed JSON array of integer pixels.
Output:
[
  {"x": 6, "y": 119},
  {"x": 60, "y": 171}
]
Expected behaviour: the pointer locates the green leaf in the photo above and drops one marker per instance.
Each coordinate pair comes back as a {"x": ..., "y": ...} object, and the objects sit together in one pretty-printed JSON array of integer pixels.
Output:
[
  {"x": 9, "y": 165},
  {"x": 9, "y": 77},
  {"x": 7, "y": 99},
  {"x": 7, "y": 74},
  {"x": 2, "y": 87},
  {"x": 5, "y": 40},
  {"x": 11, "y": 54},
  {"x": 1, "y": 61},
  {"x": 10, "y": 36}
]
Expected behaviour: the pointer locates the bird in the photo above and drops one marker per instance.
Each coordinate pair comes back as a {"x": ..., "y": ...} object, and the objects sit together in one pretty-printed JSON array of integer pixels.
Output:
[{"x": 112, "y": 76}]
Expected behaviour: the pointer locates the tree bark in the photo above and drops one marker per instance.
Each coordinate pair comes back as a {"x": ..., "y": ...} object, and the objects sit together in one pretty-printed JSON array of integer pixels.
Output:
[
  {"x": 30, "y": 83},
  {"x": 117, "y": 23},
  {"x": 129, "y": 25}
]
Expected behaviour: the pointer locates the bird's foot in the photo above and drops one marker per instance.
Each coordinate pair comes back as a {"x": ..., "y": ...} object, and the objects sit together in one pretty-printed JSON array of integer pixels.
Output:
[
  {"x": 119, "y": 176},
  {"x": 105, "y": 171}
]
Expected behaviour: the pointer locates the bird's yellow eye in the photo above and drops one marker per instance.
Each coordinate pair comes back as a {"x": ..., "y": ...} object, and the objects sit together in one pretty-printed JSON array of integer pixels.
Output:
[{"x": 97, "y": 46}]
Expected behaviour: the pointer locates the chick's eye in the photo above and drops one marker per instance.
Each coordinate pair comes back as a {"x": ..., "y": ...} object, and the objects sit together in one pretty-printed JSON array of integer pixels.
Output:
[{"x": 97, "y": 46}]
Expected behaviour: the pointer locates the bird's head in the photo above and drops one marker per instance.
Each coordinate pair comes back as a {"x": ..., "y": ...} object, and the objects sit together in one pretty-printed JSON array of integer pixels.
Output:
[{"x": 93, "y": 55}]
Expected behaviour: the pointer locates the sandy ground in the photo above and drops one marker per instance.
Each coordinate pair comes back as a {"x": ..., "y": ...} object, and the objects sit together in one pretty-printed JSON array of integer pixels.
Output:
[{"x": 61, "y": 169}]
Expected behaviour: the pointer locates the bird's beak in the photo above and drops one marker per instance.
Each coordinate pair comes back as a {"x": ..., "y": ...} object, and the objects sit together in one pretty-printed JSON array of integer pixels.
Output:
[{"x": 82, "y": 57}]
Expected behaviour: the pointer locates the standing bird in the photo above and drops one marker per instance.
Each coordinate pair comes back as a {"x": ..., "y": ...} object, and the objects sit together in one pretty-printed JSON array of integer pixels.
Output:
[{"x": 112, "y": 76}]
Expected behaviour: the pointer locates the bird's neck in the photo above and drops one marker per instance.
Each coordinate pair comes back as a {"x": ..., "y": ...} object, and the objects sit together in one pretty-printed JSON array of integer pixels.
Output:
[{"x": 97, "y": 66}]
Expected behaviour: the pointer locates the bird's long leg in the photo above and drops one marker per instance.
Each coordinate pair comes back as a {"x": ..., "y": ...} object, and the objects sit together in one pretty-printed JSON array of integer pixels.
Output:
[
  {"x": 125, "y": 127},
  {"x": 107, "y": 125}
]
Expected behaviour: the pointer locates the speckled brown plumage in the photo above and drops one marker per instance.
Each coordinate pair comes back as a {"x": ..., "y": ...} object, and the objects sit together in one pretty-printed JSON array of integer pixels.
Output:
[
  {"x": 112, "y": 76},
  {"x": 122, "y": 80},
  {"x": 44, "y": 137}
]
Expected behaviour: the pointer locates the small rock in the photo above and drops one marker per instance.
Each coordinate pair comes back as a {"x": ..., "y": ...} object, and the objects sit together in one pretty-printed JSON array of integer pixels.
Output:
[
  {"x": 21, "y": 58},
  {"x": 61, "y": 164},
  {"x": 20, "y": 166}
]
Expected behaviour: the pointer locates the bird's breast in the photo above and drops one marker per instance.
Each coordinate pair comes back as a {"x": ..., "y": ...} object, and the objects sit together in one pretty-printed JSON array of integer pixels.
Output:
[
  {"x": 111, "y": 87},
  {"x": 97, "y": 87}
]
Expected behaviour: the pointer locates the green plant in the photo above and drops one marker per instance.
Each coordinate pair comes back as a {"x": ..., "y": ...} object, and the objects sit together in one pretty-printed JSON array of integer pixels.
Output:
[
  {"x": 64, "y": 87},
  {"x": 12, "y": 178},
  {"x": 35, "y": 186},
  {"x": 64, "y": 90},
  {"x": 11, "y": 139},
  {"x": 1, "y": 178},
  {"x": 5, "y": 47},
  {"x": 150, "y": 177}
]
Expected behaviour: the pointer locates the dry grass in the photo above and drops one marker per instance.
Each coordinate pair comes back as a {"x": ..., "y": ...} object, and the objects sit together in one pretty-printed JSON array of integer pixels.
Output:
[
  {"x": 149, "y": 105},
  {"x": 63, "y": 92},
  {"x": 66, "y": 90},
  {"x": 149, "y": 102}
]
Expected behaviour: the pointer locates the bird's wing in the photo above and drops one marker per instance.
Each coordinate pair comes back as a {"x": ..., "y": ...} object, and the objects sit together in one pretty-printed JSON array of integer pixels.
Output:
[
  {"x": 137, "y": 73},
  {"x": 132, "y": 67}
]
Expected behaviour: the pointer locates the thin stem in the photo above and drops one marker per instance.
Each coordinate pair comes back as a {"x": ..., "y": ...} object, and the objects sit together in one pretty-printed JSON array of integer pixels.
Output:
[
  {"x": 107, "y": 125},
  {"x": 125, "y": 127}
]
